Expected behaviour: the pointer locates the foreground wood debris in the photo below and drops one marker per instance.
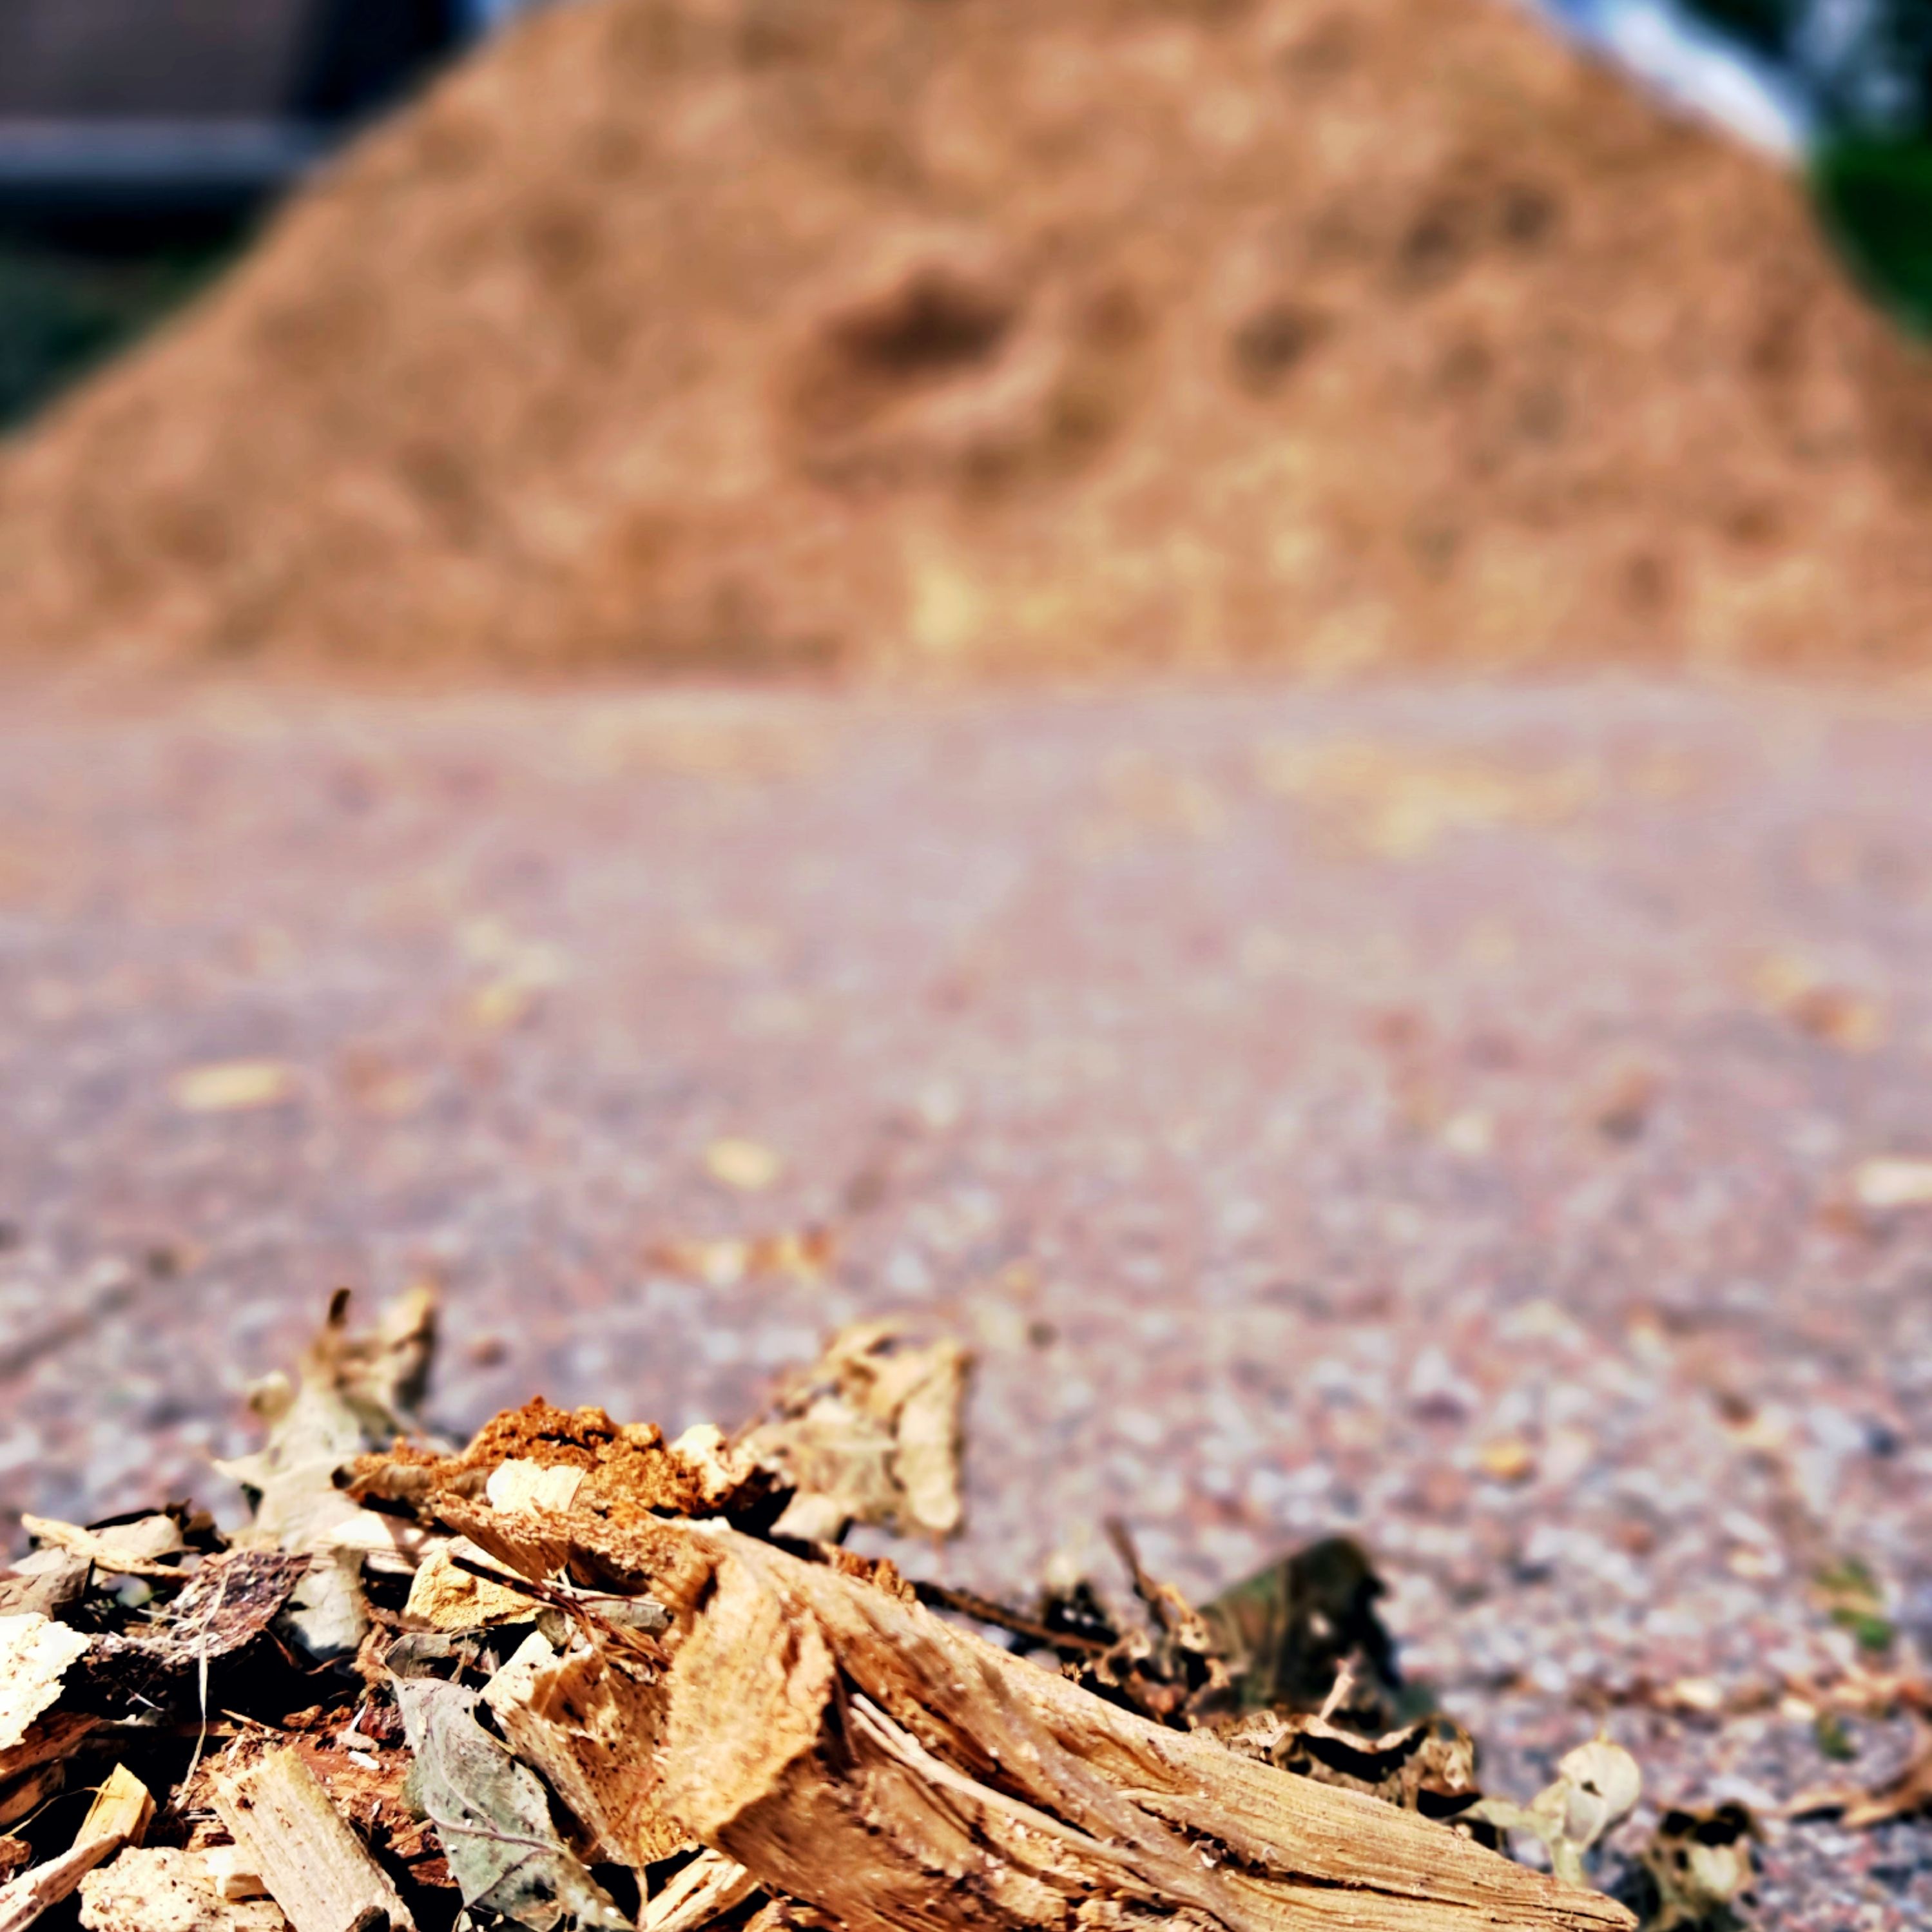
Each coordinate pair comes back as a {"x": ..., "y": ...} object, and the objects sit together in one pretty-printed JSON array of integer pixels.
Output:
[{"x": 574, "y": 1673}]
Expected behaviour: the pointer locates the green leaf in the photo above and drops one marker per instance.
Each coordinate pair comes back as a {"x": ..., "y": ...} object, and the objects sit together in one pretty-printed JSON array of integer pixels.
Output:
[
  {"x": 492, "y": 1816},
  {"x": 1875, "y": 199}
]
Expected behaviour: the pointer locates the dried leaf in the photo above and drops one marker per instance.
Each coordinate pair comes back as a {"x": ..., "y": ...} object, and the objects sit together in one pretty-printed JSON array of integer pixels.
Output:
[
  {"x": 1596, "y": 1788},
  {"x": 356, "y": 1391},
  {"x": 491, "y": 1816},
  {"x": 1701, "y": 1865},
  {"x": 1904, "y": 1795},
  {"x": 49, "y": 1581},
  {"x": 124, "y": 1549},
  {"x": 1287, "y": 1630},
  {"x": 326, "y": 1613},
  {"x": 870, "y": 1433}
]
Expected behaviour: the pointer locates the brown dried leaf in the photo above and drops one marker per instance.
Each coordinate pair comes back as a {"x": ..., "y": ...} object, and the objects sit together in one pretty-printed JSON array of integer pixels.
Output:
[
  {"x": 1904, "y": 1795},
  {"x": 869, "y": 1433},
  {"x": 124, "y": 1550},
  {"x": 1700, "y": 1863}
]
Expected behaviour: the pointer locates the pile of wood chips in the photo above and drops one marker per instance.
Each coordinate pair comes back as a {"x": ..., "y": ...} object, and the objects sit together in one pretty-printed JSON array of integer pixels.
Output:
[{"x": 577, "y": 1674}]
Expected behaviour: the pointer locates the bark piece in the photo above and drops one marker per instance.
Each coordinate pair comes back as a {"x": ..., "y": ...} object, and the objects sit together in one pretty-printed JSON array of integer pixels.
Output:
[
  {"x": 316, "y": 1869},
  {"x": 27, "y": 1793},
  {"x": 123, "y": 1808},
  {"x": 852, "y": 1749},
  {"x": 165, "y": 1890},
  {"x": 34, "y": 1654},
  {"x": 46, "y": 1741},
  {"x": 231, "y": 1600},
  {"x": 592, "y": 1722}
]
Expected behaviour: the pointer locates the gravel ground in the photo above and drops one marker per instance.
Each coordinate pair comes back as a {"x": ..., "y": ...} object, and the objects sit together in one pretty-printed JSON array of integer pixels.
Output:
[{"x": 1443, "y": 1113}]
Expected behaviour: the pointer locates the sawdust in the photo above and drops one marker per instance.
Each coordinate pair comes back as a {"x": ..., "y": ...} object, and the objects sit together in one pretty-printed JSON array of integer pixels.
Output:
[{"x": 1072, "y": 334}]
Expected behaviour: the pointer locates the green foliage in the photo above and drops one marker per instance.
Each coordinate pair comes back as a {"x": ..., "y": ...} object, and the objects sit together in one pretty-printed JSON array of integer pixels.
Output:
[
  {"x": 1875, "y": 197},
  {"x": 64, "y": 310}
]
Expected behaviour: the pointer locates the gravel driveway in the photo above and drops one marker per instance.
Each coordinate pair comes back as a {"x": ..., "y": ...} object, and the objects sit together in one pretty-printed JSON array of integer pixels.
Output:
[{"x": 1484, "y": 1119}]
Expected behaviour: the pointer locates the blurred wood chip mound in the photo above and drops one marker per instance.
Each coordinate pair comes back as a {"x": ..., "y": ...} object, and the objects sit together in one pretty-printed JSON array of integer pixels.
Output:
[
  {"x": 1010, "y": 333},
  {"x": 571, "y": 1673}
]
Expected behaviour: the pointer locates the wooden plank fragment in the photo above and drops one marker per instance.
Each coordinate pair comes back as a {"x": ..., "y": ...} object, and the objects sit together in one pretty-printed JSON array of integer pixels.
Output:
[
  {"x": 123, "y": 1807},
  {"x": 315, "y": 1868},
  {"x": 42, "y": 1887},
  {"x": 711, "y": 1885},
  {"x": 46, "y": 1741},
  {"x": 855, "y": 1750}
]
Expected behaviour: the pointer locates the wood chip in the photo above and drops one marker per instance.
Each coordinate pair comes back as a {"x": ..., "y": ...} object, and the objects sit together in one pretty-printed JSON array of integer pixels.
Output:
[
  {"x": 711, "y": 1885},
  {"x": 445, "y": 1596},
  {"x": 316, "y": 1869},
  {"x": 592, "y": 1728},
  {"x": 165, "y": 1890},
  {"x": 57, "y": 1735},
  {"x": 123, "y": 1808},
  {"x": 34, "y": 1653},
  {"x": 44, "y": 1886}
]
